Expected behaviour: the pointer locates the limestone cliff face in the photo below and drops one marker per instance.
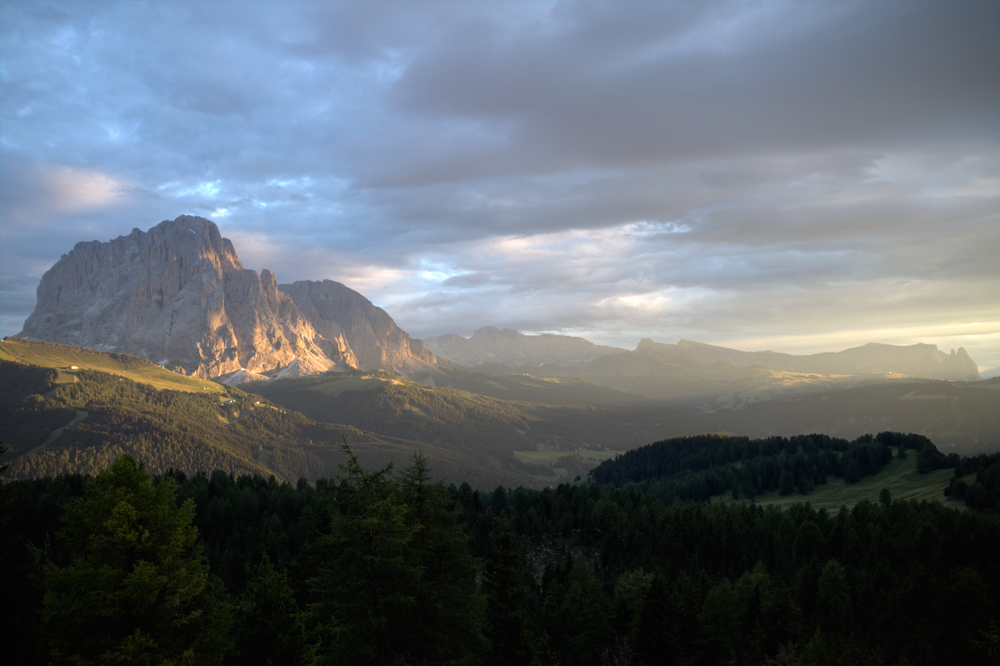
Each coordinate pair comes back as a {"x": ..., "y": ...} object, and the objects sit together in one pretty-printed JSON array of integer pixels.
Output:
[
  {"x": 177, "y": 295},
  {"x": 377, "y": 343}
]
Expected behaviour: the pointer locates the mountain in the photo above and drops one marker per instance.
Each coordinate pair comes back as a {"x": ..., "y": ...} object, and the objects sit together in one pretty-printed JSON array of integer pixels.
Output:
[
  {"x": 695, "y": 372},
  {"x": 710, "y": 386},
  {"x": 179, "y": 296},
  {"x": 715, "y": 377},
  {"x": 68, "y": 409},
  {"x": 963, "y": 417},
  {"x": 920, "y": 360},
  {"x": 490, "y": 345},
  {"x": 338, "y": 312},
  {"x": 72, "y": 409}
]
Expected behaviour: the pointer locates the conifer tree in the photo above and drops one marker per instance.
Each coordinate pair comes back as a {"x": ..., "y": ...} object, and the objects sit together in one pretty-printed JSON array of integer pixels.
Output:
[
  {"x": 448, "y": 619},
  {"x": 834, "y": 598},
  {"x": 507, "y": 597},
  {"x": 270, "y": 629},
  {"x": 366, "y": 588},
  {"x": 134, "y": 590},
  {"x": 659, "y": 625}
]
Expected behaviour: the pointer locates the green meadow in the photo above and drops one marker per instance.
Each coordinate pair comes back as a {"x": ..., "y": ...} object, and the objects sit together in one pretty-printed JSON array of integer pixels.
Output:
[
  {"x": 68, "y": 361},
  {"x": 353, "y": 381},
  {"x": 551, "y": 457},
  {"x": 900, "y": 477}
]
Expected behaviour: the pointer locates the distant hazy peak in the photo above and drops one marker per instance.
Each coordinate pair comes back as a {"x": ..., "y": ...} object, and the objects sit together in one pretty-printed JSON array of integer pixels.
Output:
[
  {"x": 917, "y": 360},
  {"x": 490, "y": 344}
]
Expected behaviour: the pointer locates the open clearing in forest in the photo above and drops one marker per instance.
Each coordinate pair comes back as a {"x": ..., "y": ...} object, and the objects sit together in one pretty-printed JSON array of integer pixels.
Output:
[
  {"x": 899, "y": 476},
  {"x": 548, "y": 456},
  {"x": 57, "y": 433},
  {"x": 351, "y": 382}
]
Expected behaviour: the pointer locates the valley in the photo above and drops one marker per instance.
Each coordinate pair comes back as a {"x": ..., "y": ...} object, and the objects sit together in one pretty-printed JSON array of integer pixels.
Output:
[
  {"x": 427, "y": 333},
  {"x": 649, "y": 482},
  {"x": 488, "y": 429},
  {"x": 177, "y": 353}
]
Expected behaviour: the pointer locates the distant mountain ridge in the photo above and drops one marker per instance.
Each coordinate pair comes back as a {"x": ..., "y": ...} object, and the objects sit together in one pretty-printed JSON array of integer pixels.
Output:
[
  {"x": 919, "y": 360},
  {"x": 490, "y": 345},
  {"x": 179, "y": 296},
  {"x": 498, "y": 350}
]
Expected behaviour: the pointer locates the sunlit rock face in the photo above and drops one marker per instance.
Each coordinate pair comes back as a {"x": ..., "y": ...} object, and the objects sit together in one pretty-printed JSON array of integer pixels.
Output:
[
  {"x": 377, "y": 343},
  {"x": 178, "y": 295}
]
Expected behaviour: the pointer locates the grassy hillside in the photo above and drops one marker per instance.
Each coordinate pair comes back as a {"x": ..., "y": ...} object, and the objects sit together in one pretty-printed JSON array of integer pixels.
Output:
[
  {"x": 900, "y": 477},
  {"x": 525, "y": 387},
  {"x": 68, "y": 409},
  {"x": 68, "y": 360},
  {"x": 52, "y": 426},
  {"x": 482, "y": 427}
]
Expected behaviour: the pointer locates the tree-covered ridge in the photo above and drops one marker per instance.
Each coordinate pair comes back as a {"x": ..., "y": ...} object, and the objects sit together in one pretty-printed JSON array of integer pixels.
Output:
[
  {"x": 977, "y": 482},
  {"x": 385, "y": 567},
  {"x": 405, "y": 409},
  {"x": 697, "y": 468},
  {"x": 84, "y": 425},
  {"x": 53, "y": 427},
  {"x": 487, "y": 429}
]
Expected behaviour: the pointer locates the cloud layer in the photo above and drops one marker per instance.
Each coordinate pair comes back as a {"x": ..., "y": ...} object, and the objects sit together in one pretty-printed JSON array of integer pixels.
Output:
[{"x": 801, "y": 176}]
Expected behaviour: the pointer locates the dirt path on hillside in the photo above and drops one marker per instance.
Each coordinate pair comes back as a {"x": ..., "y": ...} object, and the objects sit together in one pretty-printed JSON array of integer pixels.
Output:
[
  {"x": 57, "y": 433},
  {"x": 262, "y": 458}
]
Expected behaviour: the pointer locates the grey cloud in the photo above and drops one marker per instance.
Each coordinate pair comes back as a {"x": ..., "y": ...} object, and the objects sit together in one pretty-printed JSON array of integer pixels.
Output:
[
  {"x": 695, "y": 169},
  {"x": 877, "y": 75}
]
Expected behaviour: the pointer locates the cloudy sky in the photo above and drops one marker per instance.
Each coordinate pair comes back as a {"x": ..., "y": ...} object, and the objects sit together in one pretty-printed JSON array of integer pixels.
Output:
[{"x": 796, "y": 176}]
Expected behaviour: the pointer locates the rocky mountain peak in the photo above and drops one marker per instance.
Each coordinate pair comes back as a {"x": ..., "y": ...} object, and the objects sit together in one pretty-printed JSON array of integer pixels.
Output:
[
  {"x": 336, "y": 310},
  {"x": 179, "y": 296}
]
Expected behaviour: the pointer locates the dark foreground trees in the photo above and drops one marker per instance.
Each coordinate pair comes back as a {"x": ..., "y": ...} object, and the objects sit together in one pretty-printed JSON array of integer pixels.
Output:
[
  {"x": 395, "y": 582},
  {"x": 380, "y": 567},
  {"x": 134, "y": 589}
]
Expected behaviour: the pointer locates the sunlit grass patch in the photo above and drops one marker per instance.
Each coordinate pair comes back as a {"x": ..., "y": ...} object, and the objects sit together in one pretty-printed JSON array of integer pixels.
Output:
[
  {"x": 68, "y": 360},
  {"x": 900, "y": 477}
]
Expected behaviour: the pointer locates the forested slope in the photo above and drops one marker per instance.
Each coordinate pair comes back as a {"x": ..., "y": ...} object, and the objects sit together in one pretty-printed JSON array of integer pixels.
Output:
[
  {"x": 473, "y": 424},
  {"x": 386, "y": 566},
  {"x": 697, "y": 468},
  {"x": 52, "y": 427}
]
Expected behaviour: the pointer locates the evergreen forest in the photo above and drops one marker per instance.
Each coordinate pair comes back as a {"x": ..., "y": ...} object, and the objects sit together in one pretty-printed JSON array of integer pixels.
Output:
[{"x": 632, "y": 565}]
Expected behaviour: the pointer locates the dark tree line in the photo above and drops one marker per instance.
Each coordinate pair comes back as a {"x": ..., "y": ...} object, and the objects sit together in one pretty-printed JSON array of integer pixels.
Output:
[
  {"x": 379, "y": 566},
  {"x": 977, "y": 482},
  {"x": 699, "y": 467}
]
